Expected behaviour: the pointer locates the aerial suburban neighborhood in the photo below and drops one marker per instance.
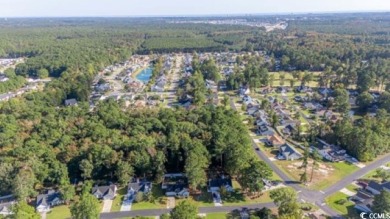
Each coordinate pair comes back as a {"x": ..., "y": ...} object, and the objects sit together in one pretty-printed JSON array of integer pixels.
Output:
[{"x": 249, "y": 116}]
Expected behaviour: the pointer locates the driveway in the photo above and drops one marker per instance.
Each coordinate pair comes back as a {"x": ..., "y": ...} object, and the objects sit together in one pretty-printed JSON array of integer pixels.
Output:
[
  {"x": 217, "y": 199},
  {"x": 171, "y": 202},
  {"x": 106, "y": 206},
  {"x": 126, "y": 205}
]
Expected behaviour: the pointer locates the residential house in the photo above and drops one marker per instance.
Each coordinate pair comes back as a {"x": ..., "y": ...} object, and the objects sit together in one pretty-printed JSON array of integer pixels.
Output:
[
  {"x": 136, "y": 186},
  {"x": 214, "y": 185},
  {"x": 289, "y": 129},
  {"x": 3, "y": 78},
  {"x": 252, "y": 110},
  {"x": 105, "y": 192},
  {"x": 156, "y": 88},
  {"x": 360, "y": 197},
  {"x": 175, "y": 184},
  {"x": 325, "y": 91},
  {"x": 211, "y": 85},
  {"x": 265, "y": 130},
  {"x": 6, "y": 97},
  {"x": 102, "y": 87},
  {"x": 46, "y": 201},
  {"x": 244, "y": 91},
  {"x": 6, "y": 203},
  {"x": 71, "y": 102},
  {"x": 330, "y": 152},
  {"x": 288, "y": 152},
  {"x": 376, "y": 188},
  {"x": 246, "y": 100},
  {"x": 275, "y": 140}
]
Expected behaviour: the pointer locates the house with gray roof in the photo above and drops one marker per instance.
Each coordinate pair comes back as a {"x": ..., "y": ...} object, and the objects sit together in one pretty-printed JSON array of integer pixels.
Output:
[
  {"x": 288, "y": 152},
  {"x": 71, "y": 102},
  {"x": 137, "y": 185},
  {"x": 104, "y": 192},
  {"x": 6, "y": 203},
  {"x": 46, "y": 201}
]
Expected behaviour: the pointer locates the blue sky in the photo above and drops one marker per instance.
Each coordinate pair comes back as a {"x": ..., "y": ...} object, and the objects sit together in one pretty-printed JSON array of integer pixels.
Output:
[{"x": 58, "y": 8}]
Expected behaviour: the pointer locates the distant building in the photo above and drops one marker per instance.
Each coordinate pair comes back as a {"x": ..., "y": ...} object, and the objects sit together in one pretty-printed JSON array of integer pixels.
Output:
[{"x": 71, "y": 102}]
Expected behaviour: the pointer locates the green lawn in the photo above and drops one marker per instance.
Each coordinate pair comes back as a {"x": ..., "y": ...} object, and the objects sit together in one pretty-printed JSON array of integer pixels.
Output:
[
  {"x": 157, "y": 203},
  {"x": 352, "y": 187},
  {"x": 346, "y": 208},
  {"x": 238, "y": 198},
  {"x": 59, "y": 212},
  {"x": 116, "y": 204},
  {"x": 216, "y": 216},
  {"x": 341, "y": 169},
  {"x": 146, "y": 205}
]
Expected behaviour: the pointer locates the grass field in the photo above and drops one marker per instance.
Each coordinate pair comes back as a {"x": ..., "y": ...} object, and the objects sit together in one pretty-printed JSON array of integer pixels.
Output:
[
  {"x": 59, "y": 212},
  {"x": 216, "y": 216},
  {"x": 341, "y": 170},
  {"x": 346, "y": 208}
]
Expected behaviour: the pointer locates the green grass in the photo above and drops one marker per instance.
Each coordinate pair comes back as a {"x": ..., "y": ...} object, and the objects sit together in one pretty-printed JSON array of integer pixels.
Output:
[
  {"x": 157, "y": 203},
  {"x": 216, "y": 216},
  {"x": 238, "y": 198},
  {"x": 146, "y": 205},
  {"x": 371, "y": 175},
  {"x": 341, "y": 169},
  {"x": 347, "y": 208},
  {"x": 59, "y": 212},
  {"x": 352, "y": 187},
  {"x": 116, "y": 204}
]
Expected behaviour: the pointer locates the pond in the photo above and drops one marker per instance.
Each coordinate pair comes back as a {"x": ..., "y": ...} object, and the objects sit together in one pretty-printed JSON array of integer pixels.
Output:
[{"x": 145, "y": 75}]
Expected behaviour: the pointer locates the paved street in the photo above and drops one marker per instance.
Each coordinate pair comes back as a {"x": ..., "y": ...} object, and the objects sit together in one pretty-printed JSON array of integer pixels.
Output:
[{"x": 202, "y": 210}]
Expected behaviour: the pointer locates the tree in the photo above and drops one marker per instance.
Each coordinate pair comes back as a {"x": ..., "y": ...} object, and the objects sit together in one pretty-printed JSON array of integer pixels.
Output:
[
  {"x": 165, "y": 216},
  {"x": 225, "y": 100},
  {"x": 316, "y": 157},
  {"x": 86, "y": 168},
  {"x": 139, "y": 197},
  {"x": 124, "y": 172},
  {"x": 305, "y": 162},
  {"x": 251, "y": 178},
  {"x": 23, "y": 187},
  {"x": 286, "y": 200},
  {"x": 185, "y": 210},
  {"x": 364, "y": 100},
  {"x": 381, "y": 202},
  {"x": 22, "y": 210},
  {"x": 196, "y": 165},
  {"x": 384, "y": 101},
  {"x": 87, "y": 207},
  {"x": 383, "y": 174},
  {"x": 341, "y": 100},
  {"x": 43, "y": 73},
  {"x": 67, "y": 192}
]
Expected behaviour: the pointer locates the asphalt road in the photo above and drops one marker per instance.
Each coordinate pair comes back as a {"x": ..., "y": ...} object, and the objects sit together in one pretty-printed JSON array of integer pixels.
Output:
[{"x": 202, "y": 210}]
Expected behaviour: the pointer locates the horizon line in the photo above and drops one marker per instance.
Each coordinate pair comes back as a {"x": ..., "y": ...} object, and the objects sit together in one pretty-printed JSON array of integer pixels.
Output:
[{"x": 207, "y": 15}]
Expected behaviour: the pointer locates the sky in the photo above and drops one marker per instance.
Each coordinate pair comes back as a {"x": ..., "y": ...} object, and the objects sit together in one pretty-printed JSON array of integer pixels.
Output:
[{"x": 108, "y": 8}]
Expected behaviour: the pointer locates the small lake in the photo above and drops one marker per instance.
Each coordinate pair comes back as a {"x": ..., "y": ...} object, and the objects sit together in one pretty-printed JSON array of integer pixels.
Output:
[{"x": 145, "y": 75}]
